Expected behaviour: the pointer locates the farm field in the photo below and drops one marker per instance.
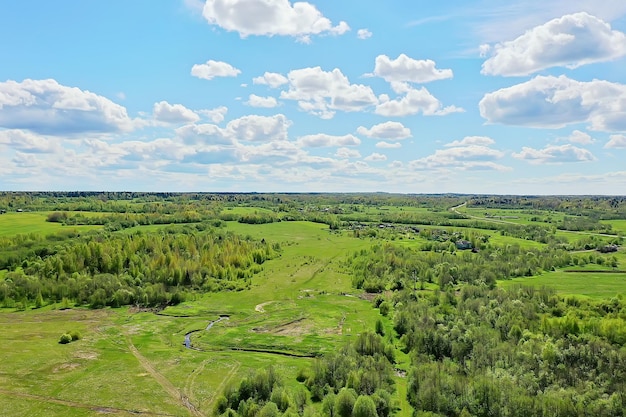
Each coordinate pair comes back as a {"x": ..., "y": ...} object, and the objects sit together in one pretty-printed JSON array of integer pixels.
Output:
[
  {"x": 588, "y": 284},
  {"x": 32, "y": 222},
  {"x": 182, "y": 319}
]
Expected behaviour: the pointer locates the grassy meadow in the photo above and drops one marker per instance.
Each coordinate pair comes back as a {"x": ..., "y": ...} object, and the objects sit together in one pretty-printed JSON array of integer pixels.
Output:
[
  {"x": 133, "y": 361},
  {"x": 14, "y": 223},
  {"x": 301, "y": 303}
]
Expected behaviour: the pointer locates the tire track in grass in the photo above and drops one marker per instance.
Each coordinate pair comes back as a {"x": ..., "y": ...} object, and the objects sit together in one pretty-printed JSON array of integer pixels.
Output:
[
  {"x": 74, "y": 404},
  {"x": 222, "y": 384},
  {"x": 164, "y": 382}
]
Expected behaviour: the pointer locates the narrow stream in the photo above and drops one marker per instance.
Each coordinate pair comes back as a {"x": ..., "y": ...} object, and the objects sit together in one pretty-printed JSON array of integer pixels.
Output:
[{"x": 208, "y": 327}]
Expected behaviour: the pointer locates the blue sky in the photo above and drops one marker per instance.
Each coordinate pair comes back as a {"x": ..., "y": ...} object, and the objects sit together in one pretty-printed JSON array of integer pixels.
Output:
[{"x": 272, "y": 95}]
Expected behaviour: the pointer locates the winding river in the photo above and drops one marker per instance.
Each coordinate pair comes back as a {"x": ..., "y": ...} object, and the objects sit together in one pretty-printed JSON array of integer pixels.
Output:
[{"x": 208, "y": 327}]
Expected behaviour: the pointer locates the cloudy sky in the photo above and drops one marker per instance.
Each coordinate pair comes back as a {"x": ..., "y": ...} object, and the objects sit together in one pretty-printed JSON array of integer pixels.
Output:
[{"x": 473, "y": 96}]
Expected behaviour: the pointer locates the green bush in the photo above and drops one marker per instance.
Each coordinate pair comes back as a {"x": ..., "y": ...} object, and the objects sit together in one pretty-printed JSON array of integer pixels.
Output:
[{"x": 65, "y": 339}]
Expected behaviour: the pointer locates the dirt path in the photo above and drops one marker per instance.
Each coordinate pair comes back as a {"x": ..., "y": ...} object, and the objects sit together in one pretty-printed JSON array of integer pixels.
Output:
[
  {"x": 74, "y": 404},
  {"x": 173, "y": 392}
]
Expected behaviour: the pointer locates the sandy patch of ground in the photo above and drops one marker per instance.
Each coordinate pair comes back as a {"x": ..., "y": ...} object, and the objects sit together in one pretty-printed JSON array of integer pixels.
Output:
[
  {"x": 260, "y": 307},
  {"x": 69, "y": 366},
  {"x": 86, "y": 355}
]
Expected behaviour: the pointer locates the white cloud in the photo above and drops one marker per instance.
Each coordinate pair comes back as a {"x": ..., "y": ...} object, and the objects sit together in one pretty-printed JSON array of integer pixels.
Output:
[
  {"x": 484, "y": 50},
  {"x": 404, "y": 68},
  {"x": 273, "y": 79},
  {"x": 363, "y": 34},
  {"x": 28, "y": 142},
  {"x": 47, "y": 107},
  {"x": 212, "y": 69},
  {"x": 204, "y": 134},
  {"x": 251, "y": 128},
  {"x": 554, "y": 154},
  {"x": 581, "y": 138},
  {"x": 570, "y": 41},
  {"x": 322, "y": 92},
  {"x": 387, "y": 145},
  {"x": 256, "y": 128},
  {"x": 471, "y": 140},
  {"x": 551, "y": 102},
  {"x": 347, "y": 153},
  {"x": 386, "y": 130},
  {"x": 498, "y": 21},
  {"x": 269, "y": 18},
  {"x": 216, "y": 115},
  {"x": 471, "y": 153},
  {"x": 415, "y": 101},
  {"x": 376, "y": 157},
  {"x": 173, "y": 113},
  {"x": 258, "y": 101},
  {"x": 616, "y": 142},
  {"x": 324, "y": 140}
]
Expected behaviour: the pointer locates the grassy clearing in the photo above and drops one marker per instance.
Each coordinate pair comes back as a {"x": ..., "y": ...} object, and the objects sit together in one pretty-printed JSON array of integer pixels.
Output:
[
  {"x": 618, "y": 226},
  {"x": 302, "y": 302},
  {"x": 588, "y": 284},
  {"x": 12, "y": 224}
]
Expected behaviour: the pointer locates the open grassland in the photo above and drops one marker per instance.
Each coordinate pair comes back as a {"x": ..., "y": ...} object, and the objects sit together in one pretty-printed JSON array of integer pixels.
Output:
[
  {"x": 136, "y": 363},
  {"x": 589, "y": 284},
  {"x": 12, "y": 224},
  {"x": 537, "y": 217},
  {"x": 617, "y": 226}
]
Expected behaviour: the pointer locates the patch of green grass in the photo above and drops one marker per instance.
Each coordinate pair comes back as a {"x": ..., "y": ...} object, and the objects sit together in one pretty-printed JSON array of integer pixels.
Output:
[
  {"x": 617, "y": 226},
  {"x": 12, "y": 224},
  {"x": 589, "y": 284}
]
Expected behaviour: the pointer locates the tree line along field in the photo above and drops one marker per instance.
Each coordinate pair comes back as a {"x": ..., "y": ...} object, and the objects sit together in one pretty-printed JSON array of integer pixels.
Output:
[{"x": 312, "y": 305}]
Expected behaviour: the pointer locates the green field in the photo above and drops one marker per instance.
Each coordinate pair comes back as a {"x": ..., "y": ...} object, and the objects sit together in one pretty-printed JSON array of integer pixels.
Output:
[
  {"x": 297, "y": 306},
  {"x": 588, "y": 284},
  {"x": 301, "y": 303},
  {"x": 32, "y": 222}
]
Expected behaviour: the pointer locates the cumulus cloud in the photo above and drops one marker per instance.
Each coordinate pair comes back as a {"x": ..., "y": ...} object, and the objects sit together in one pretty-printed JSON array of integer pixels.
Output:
[
  {"x": 413, "y": 102},
  {"x": 347, "y": 153},
  {"x": 406, "y": 69},
  {"x": 47, "y": 107},
  {"x": 554, "y": 154},
  {"x": 581, "y": 138},
  {"x": 273, "y": 79},
  {"x": 254, "y": 128},
  {"x": 324, "y": 140},
  {"x": 570, "y": 41},
  {"x": 258, "y": 101},
  {"x": 387, "y": 145},
  {"x": 204, "y": 133},
  {"x": 173, "y": 113},
  {"x": 554, "y": 102},
  {"x": 376, "y": 157},
  {"x": 471, "y": 140},
  {"x": 212, "y": 69},
  {"x": 28, "y": 142},
  {"x": 471, "y": 153},
  {"x": 215, "y": 115},
  {"x": 251, "y": 128},
  {"x": 323, "y": 92},
  {"x": 269, "y": 18},
  {"x": 364, "y": 34},
  {"x": 616, "y": 142},
  {"x": 386, "y": 130}
]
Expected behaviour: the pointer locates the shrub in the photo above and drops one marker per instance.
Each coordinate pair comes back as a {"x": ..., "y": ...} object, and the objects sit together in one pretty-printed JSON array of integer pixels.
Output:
[{"x": 65, "y": 339}]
